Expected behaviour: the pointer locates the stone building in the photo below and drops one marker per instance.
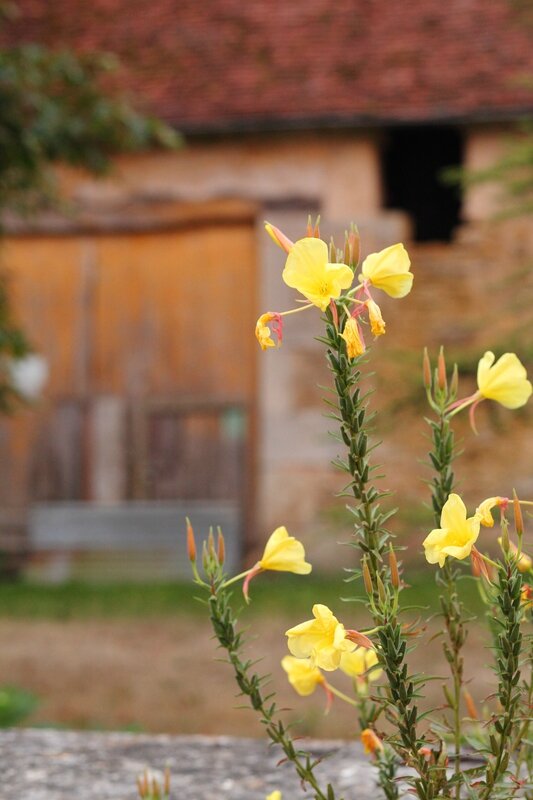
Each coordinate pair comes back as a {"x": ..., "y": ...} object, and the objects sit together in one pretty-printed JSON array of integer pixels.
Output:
[{"x": 351, "y": 110}]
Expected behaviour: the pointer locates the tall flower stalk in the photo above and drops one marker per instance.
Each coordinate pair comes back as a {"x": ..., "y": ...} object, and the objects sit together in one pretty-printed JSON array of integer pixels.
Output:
[
  {"x": 325, "y": 277},
  {"x": 441, "y": 394},
  {"x": 380, "y": 569}
]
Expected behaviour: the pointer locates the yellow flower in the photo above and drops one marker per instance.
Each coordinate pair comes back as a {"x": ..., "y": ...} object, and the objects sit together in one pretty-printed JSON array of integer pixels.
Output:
[
  {"x": 302, "y": 675},
  {"x": 456, "y": 535},
  {"x": 504, "y": 381},
  {"x": 526, "y": 597},
  {"x": 307, "y": 269},
  {"x": 355, "y": 346},
  {"x": 371, "y": 741},
  {"x": 274, "y": 795},
  {"x": 262, "y": 331},
  {"x": 359, "y": 663},
  {"x": 322, "y": 639},
  {"x": 377, "y": 323},
  {"x": 484, "y": 510},
  {"x": 284, "y": 553},
  {"x": 389, "y": 270}
]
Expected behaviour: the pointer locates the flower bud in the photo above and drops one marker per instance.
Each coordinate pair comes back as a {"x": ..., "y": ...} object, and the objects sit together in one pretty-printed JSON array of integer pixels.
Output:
[
  {"x": 518, "y": 518},
  {"x": 221, "y": 548},
  {"x": 454, "y": 383},
  {"x": 367, "y": 579},
  {"x": 394, "y": 572},
  {"x": 441, "y": 371},
  {"x": 352, "y": 246},
  {"x": 470, "y": 705},
  {"x": 310, "y": 227},
  {"x": 279, "y": 237},
  {"x": 426, "y": 369},
  {"x": 316, "y": 232},
  {"x": 211, "y": 543},
  {"x": 371, "y": 741},
  {"x": 191, "y": 544},
  {"x": 332, "y": 251}
]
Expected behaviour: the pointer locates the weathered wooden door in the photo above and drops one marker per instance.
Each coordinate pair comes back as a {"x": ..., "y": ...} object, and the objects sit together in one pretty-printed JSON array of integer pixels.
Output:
[{"x": 149, "y": 339}]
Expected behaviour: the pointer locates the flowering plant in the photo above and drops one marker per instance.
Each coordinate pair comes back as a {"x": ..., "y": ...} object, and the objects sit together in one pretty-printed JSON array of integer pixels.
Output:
[{"x": 420, "y": 749}]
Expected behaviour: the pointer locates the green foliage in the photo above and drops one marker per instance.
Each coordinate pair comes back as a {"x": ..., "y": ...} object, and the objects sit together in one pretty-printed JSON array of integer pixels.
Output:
[
  {"x": 15, "y": 705},
  {"x": 53, "y": 107}
]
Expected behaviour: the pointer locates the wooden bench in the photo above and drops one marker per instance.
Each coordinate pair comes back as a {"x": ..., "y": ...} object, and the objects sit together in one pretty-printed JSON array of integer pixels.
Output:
[{"x": 138, "y": 540}]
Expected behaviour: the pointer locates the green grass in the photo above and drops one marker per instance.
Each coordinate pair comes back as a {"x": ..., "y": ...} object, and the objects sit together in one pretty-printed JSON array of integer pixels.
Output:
[{"x": 270, "y": 593}]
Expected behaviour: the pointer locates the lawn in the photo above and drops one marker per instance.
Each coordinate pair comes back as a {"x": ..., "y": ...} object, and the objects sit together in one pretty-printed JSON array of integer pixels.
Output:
[{"x": 142, "y": 656}]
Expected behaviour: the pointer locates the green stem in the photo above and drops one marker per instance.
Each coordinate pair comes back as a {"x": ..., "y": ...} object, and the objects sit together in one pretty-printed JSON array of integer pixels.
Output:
[
  {"x": 508, "y": 598},
  {"x": 442, "y": 456},
  {"x": 224, "y": 627},
  {"x": 373, "y": 540}
]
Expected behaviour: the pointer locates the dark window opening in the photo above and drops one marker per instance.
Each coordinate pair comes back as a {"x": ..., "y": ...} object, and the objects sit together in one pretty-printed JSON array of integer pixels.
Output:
[{"x": 413, "y": 161}]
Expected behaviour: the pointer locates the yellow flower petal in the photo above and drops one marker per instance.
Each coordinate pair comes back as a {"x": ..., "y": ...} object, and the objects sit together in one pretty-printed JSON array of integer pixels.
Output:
[
  {"x": 322, "y": 639},
  {"x": 274, "y": 795},
  {"x": 284, "y": 553},
  {"x": 307, "y": 270},
  {"x": 504, "y": 381},
  {"x": 484, "y": 510},
  {"x": 371, "y": 741},
  {"x": 262, "y": 331},
  {"x": 302, "y": 675},
  {"x": 456, "y": 535},
  {"x": 377, "y": 323},
  {"x": 389, "y": 270},
  {"x": 359, "y": 664}
]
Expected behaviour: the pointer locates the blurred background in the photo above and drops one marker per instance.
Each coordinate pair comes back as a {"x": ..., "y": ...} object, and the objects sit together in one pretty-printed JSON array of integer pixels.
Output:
[{"x": 141, "y": 148}]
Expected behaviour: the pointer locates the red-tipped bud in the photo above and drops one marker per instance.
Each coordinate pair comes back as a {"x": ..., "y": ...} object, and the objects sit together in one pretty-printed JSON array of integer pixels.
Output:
[
  {"x": 426, "y": 369},
  {"x": 441, "y": 371},
  {"x": 470, "y": 705},
  {"x": 191, "y": 544},
  {"x": 316, "y": 232},
  {"x": 279, "y": 237},
  {"x": 518, "y": 518},
  {"x": 360, "y": 639},
  {"x": 426, "y": 753},
  {"x": 310, "y": 230},
  {"x": 394, "y": 572},
  {"x": 371, "y": 741},
  {"x": 479, "y": 565},
  {"x": 221, "y": 548}
]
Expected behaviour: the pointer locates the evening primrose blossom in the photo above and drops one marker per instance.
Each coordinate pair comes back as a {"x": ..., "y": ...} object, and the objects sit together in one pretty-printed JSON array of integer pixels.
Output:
[
  {"x": 323, "y": 639},
  {"x": 360, "y": 664},
  {"x": 505, "y": 382},
  {"x": 321, "y": 281},
  {"x": 371, "y": 741},
  {"x": 303, "y": 676},
  {"x": 388, "y": 270},
  {"x": 308, "y": 270},
  {"x": 351, "y": 334},
  {"x": 263, "y": 333},
  {"x": 456, "y": 535},
  {"x": 484, "y": 509},
  {"x": 274, "y": 795},
  {"x": 282, "y": 553}
]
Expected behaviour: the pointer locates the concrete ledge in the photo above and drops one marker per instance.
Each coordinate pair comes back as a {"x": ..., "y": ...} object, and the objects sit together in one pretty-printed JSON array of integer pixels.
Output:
[{"x": 67, "y": 765}]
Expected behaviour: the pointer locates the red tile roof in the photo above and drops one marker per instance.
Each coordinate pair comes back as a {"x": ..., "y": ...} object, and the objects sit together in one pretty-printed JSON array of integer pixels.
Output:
[{"x": 244, "y": 64}]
